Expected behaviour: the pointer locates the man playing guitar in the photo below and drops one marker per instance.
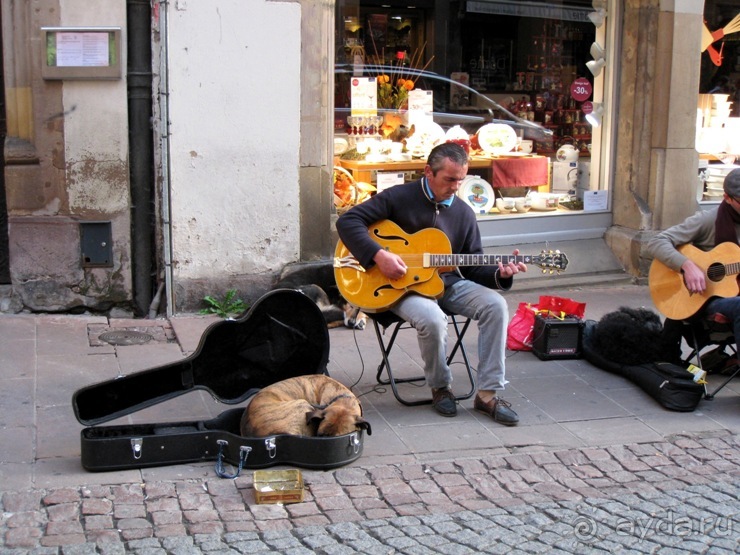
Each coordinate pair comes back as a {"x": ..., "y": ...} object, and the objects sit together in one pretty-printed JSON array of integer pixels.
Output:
[
  {"x": 715, "y": 230},
  {"x": 430, "y": 202}
]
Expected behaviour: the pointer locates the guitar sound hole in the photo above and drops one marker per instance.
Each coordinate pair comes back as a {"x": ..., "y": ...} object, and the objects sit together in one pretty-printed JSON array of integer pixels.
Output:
[
  {"x": 380, "y": 289},
  {"x": 377, "y": 233},
  {"x": 716, "y": 272}
]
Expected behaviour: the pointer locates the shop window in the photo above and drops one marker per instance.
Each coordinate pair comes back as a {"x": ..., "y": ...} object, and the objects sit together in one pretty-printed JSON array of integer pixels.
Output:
[
  {"x": 491, "y": 65},
  {"x": 718, "y": 106}
]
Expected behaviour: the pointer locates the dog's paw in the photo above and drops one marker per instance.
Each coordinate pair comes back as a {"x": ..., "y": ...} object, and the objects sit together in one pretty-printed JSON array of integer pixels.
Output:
[{"x": 360, "y": 324}]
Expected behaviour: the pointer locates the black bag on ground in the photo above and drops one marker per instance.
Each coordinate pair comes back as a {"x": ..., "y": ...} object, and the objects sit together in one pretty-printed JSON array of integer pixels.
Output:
[{"x": 671, "y": 385}]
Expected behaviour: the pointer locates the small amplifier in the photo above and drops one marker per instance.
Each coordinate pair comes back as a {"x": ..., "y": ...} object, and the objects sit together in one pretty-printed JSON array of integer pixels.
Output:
[{"x": 555, "y": 338}]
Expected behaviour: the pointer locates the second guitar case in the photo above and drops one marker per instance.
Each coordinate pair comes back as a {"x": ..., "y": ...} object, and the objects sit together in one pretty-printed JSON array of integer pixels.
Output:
[{"x": 669, "y": 384}]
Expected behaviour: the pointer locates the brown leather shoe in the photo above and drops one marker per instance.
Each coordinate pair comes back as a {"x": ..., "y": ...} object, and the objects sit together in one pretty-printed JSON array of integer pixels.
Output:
[
  {"x": 498, "y": 409},
  {"x": 444, "y": 402}
]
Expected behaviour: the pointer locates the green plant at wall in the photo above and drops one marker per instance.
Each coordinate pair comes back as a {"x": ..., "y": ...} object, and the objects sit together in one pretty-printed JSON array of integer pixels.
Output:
[{"x": 227, "y": 306}]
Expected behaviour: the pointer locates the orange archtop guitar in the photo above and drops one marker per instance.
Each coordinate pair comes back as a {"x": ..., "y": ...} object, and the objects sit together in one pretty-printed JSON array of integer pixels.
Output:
[
  {"x": 668, "y": 290},
  {"x": 426, "y": 254}
]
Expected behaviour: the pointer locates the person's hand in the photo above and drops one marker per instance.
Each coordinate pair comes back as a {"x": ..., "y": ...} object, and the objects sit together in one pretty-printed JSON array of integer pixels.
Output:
[
  {"x": 390, "y": 265},
  {"x": 693, "y": 277},
  {"x": 508, "y": 270}
]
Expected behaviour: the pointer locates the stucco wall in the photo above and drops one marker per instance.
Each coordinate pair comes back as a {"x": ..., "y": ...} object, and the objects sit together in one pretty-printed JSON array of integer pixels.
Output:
[{"x": 234, "y": 106}]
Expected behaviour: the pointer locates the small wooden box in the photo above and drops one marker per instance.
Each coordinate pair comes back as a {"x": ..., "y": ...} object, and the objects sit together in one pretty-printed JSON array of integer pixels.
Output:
[{"x": 278, "y": 486}]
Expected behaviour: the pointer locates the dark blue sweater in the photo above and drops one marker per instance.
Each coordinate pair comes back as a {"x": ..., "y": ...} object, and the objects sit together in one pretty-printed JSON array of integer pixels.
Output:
[{"x": 409, "y": 207}]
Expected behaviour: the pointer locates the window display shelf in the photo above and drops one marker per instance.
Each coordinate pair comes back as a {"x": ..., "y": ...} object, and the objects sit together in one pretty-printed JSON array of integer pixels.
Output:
[{"x": 505, "y": 171}]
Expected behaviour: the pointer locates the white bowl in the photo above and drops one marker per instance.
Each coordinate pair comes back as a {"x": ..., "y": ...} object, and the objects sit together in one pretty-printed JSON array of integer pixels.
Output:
[
  {"x": 505, "y": 205},
  {"x": 522, "y": 204},
  {"x": 544, "y": 201}
]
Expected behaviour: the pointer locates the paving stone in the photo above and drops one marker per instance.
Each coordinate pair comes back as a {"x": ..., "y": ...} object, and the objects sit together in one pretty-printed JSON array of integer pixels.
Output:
[
  {"x": 254, "y": 546},
  {"x": 352, "y": 476}
]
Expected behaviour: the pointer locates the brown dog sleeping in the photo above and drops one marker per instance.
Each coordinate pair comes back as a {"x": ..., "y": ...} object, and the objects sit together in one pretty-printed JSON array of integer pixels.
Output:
[{"x": 313, "y": 405}]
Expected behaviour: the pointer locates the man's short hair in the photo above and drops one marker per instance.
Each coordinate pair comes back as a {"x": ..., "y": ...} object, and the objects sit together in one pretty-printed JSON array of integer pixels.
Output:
[{"x": 452, "y": 151}]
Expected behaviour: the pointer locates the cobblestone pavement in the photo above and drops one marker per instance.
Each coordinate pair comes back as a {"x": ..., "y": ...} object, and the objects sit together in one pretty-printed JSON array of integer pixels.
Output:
[{"x": 681, "y": 495}]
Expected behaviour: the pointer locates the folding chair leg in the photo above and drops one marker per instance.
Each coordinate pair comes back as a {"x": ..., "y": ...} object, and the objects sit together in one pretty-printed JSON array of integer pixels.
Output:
[
  {"x": 710, "y": 396},
  {"x": 386, "y": 365},
  {"x": 460, "y": 334},
  {"x": 392, "y": 381},
  {"x": 695, "y": 353}
]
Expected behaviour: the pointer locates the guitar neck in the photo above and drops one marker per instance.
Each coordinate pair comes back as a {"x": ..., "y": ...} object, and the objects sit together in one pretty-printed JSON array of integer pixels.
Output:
[
  {"x": 719, "y": 271},
  {"x": 442, "y": 260}
]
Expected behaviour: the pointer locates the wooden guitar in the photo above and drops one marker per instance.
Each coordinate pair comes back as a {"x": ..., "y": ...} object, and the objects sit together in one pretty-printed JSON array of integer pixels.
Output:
[
  {"x": 668, "y": 290},
  {"x": 426, "y": 254}
]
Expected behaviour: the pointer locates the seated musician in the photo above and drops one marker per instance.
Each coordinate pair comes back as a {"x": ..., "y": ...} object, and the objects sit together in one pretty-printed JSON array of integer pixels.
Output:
[
  {"x": 430, "y": 202},
  {"x": 704, "y": 230}
]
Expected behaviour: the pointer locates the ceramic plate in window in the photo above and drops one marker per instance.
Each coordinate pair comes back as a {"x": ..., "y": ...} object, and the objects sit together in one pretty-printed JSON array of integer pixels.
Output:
[
  {"x": 477, "y": 193},
  {"x": 427, "y": 135},
  {"x": 497, "y": 138}
]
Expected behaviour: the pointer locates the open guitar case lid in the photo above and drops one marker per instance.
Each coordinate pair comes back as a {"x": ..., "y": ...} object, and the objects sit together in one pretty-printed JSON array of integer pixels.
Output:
[
  {"x": 283, "y": 335},
  {"x": 669, "y": 384}
]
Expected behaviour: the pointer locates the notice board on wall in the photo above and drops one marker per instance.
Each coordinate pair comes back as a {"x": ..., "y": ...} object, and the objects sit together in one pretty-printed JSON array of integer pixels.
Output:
[{"x": 81, "y": 52}]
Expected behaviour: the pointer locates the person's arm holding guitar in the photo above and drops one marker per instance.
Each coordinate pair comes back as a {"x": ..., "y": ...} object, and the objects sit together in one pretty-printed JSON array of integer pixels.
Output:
[{"x": 682, "y": 256}]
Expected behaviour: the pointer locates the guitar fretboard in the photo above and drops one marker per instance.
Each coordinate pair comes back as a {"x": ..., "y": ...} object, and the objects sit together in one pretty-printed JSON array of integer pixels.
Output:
[
  {"x": 439, "y": 260},
  {"x": 718, "y": 271}
]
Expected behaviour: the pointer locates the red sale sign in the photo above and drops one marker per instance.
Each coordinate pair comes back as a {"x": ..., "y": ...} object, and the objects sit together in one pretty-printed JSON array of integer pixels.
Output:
[
  {"x": 580, "y": 89},
  {"x": 587, "y": 107}
]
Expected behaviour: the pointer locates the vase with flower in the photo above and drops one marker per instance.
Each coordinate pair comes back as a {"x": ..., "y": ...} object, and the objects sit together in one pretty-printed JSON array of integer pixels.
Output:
[
  {"x": 394, "y": 84},
  {"x": 393, "y": 98}
]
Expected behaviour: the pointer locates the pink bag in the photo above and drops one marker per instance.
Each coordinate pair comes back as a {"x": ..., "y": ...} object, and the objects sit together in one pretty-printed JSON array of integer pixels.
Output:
[{"x": 520, "y": 331}]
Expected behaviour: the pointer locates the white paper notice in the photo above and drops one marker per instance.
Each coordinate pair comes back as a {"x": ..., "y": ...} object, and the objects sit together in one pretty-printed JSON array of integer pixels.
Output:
[
  {"x": 421, "y": 106},
  {"x": 388, "y": 179},
  {"x": 364, "y": 96},
  {"x": 421, "y": 100},
  {"x": 595, "y": 200},
  {"x": 82, "y": 49}
]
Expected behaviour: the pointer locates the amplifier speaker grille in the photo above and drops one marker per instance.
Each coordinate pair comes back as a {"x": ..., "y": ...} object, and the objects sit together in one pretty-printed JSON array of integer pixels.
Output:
[{"x": 554, "y": 338}]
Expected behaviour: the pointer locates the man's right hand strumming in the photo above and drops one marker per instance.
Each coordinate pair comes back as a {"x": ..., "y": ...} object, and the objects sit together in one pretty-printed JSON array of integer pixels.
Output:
[{"x": 390, "y": 265}]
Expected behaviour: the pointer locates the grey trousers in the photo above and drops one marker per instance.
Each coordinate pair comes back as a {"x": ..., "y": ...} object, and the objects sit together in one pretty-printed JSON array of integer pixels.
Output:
[{"x": 466, "y": 298}]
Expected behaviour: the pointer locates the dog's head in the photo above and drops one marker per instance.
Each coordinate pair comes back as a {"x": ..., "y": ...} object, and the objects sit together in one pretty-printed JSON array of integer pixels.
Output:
[
  {"x": 354, "y": 317},
  {"x": 339, "y": 418}
]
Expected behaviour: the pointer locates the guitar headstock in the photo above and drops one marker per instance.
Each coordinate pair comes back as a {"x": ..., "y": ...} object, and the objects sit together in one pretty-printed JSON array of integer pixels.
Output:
[{"x": 551, "y": 261}]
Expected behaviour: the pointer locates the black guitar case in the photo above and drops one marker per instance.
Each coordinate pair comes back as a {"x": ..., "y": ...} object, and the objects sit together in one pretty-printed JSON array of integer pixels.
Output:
[
  {"x": 283, "y": 335},
  {"x": 671, "y": 385}
]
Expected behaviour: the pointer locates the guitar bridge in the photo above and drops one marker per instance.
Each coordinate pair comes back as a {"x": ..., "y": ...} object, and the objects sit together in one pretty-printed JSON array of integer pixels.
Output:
[{"x": 348, "y": 262}]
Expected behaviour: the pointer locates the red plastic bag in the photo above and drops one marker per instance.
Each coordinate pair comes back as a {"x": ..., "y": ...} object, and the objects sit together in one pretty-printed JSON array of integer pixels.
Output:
[
  {"x": 520, "y": 332},
  {"x": 561, "y": 306}
]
